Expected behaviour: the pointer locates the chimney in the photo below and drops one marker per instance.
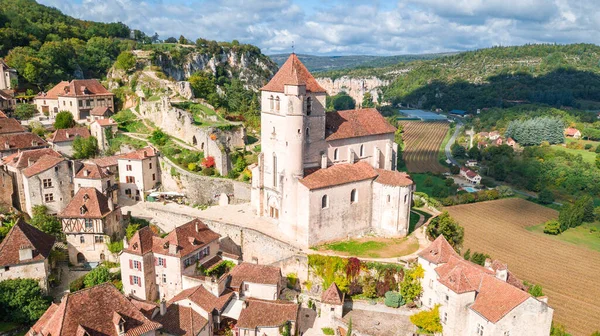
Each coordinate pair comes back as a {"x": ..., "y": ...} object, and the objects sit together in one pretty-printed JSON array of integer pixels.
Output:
[
  {"x": 488, "y": 263},
  {"x": 25, "y": 253},
  {"x": 502, "y": 274},
  {"x": 86, "y": 173},
  {"x": 29, "y": 162},
  {"x": 163, "y": 307},
  {"x": 197, "y": 229},
  {"x": 67, "y": 134},
  {"x": 125, "y": 243},
  {"x": 111, "y": 205},
  {"x": 323, "y": 161},
  {"x": 172, "y": 248}
]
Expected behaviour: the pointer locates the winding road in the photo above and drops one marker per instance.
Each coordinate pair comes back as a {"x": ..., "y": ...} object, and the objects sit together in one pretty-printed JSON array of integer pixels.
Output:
[{"x": 447, "y": 150}]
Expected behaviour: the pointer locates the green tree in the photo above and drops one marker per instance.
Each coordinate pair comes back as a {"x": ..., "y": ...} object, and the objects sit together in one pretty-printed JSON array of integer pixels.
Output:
[
  {"x": 448, "y": 227},
  {"x": 98, "y": 275},
  {"x": 25, "y": 111},
  {"x": 428, "y": 321},
  {"x": 552, "y": 227},
  {"x": 458, "y": 151},
  {"x": 479, "y": 258},
  {"x": 368, "y": 100},
  {"x": 125, "y": 61},
  {"x": 598, "y": 160},
  {"x": 546, "y": 197},
  {"x": 558, "y": 330},
  {"x": 22, "y": 301},
  {"x": 64, "y": 119},
  {"x": 84, "y": 148},
  {"x": 410, "y": 287},
  {"x": 339, "y": 102},
  {"x": 535, "y": 290},
  {"x": 474, "y": 153},
  {"x": 428, "y": 182},
  {"x": 159, "y": 138},
  {"x": 45, "y": 222}
]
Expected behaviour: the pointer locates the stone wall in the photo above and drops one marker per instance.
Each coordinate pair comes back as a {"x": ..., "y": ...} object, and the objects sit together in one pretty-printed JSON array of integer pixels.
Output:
[
  {"x": 354, "y": 87},
  {"x": 179, "y": 123},
  {"x": 201, "y": 189},
  {"x": 6, "y": 189}
]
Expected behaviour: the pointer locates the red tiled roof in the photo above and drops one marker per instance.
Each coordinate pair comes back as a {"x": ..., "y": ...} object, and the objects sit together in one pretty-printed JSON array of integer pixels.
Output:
[
  {"x": 141, "y": 242},
  {"x": 571, "y": 131},
  {"x": 393, "y": 178},
  {"x": 200, "y": 233},
  {"x": 92, "y": 201},
  {"x": 77, "y": 87},
  {"x": 460, "y": 275},
  {"x": 2, "y": 115},
  {"x": 25, "y": 158},
  {"x": 339, "y": 174},
  {"x": 497, "y": 298},
  {"x": 253, "y": 273},
  {"x": 106, "y": 161},
  {"x": 146, "y": 307},
  {"x": 355, "y": 123},
  {"x": 93, "y": 171},
  {"x": 261, "y": 313},
  {"x": 292, "y": 72},
  {"x": 10, "y": 125},
  {"x": 44, "y": 163},
  {"x": 25, "y": 235},
  {"x": 439, "y": 251},
  {"x": 20, "y": 141},
  {"x": 333, "y": 295},
  {"x": 139, "y": 154},
  {"x": 101, "y": 111},
  {"x": 106, "y": 122},
  {"x": 181, "y": 321},
  {"x": 204, "y": 299},
  {"x": 69, "y": 134},
  {"x": 469, "y": 172},
  {"x": 55, "y": 91},
  {"x": 94, "y": 309}
]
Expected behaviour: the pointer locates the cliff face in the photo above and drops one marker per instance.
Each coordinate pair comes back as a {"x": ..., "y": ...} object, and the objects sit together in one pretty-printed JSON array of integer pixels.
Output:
[
  {"x": 253, "y": 69},
  {"x": 355, "y": 87}
]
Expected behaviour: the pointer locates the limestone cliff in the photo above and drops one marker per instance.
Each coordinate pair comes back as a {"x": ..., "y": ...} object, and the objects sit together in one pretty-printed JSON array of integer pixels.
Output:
[{"x": 356, "y": 87}]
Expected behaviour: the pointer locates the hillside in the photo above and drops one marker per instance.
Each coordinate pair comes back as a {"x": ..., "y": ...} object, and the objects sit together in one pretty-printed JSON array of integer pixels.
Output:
[{"x": 557, "y": 75}]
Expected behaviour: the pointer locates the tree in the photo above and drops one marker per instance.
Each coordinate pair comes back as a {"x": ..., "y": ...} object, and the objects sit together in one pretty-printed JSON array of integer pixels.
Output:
[
  {"x": 131, "y": 230},
  {"x": 458, "y": 151},
  {"x": 45, "y": 222},
  {"x": 25, "y": 111},
  {"x": 125, "y": 61},
  {"x": 171, "y": 40},
  {"x": 98, "y": 275},
  {"x": 410, "y": 287},
  {"x": 339, "y": 102},
  {"x": 474, "y": 153},
  {"x": 546, "y": 197},
  {"x": 558, "y": 330},
  {"x": 479, "y": 258},
  {"x": 159, "y": 137},
  {"x": 598, "y": 160},
  {"x": 22, "y": 301},
  {"x": 428, "y": 321},
  {"x": 368, "y": 100},
  {"x": 535, "y": 290},
  {"x": 448, "y": 227},
  {"x": 85, "y": 148},
  {"x": 587, "y": 205},
  {"x": 428, "y": 182},
  {"x": 552, "y": 227},
  {"x": 64, "y": 119}
]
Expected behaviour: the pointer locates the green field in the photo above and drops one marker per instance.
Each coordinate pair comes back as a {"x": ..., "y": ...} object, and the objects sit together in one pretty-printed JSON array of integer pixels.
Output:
[
  {"x": 582, "y": 235},
  {"x": 420, "y": 182},
  {"x": 588, "y": 156}
]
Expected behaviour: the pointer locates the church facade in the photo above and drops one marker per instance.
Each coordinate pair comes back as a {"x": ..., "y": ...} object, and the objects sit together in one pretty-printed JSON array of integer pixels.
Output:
[{"x": 326, "y": 176}]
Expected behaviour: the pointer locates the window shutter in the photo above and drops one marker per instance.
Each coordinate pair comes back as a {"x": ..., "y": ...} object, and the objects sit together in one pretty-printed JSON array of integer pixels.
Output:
[
  {"x": 131, "y": 279},
  {"x": 155, "y": 261},
  {"x": 139, "y": 282},
  {"x": 164, "y": 262},
  {"x": 130, "y": 264}
]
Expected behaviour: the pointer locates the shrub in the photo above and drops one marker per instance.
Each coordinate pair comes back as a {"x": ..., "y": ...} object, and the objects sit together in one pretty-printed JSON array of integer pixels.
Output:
[
  {"x": 394, "y": 299},
  {"x": 546, "y": 197},
  {"x": 417, "y": 202},
  {"x": 448, "y": 227},
  {"x": 428, "y": 321},
  {"x": 25, "y": 111},
  {"x": 467, "y": 255},
  {"x": 410, "y": 288},
  {"x": 479, "y": 258},
  {"x": 454, "y": 170},
  {"x": 192, "y": 166},
  {"x": 354, "y": 288},
  {"x": 208, "y": 162},
  {"x": 116, "y": 246},
  {"x": 208, "y": 171},
  {"x": 535, "y": 290},
  {"x": 76, "y": 284},
  {"x": 97, "y": 276},
  {"x": 64, "y": 119},
  {"x": 328, "y": 331},
  {"x": 369, "y": 287},
  {"x": 587, "y": 146},
  {"x": 159, "y": 138},
  {"x": 552, "y": 227},
  {"x": 125, "y": 61},
  {"x": 428, "y": 182},
  {"x": 292, "y": 280}
]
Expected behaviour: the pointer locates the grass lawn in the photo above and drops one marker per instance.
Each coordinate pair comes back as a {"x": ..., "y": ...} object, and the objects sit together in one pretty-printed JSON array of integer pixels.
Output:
[
  {"x": 420, "y": 181},
  {"x": 588, "y": 156},
  {"x": 7, "y": 326},
  {"x": 580, "y": 235},
  {"x": 373, "y": 247},
  {"x": 414, "y": 219}
]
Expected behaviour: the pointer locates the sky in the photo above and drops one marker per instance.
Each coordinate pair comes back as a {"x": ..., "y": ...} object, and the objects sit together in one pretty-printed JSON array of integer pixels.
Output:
[{"x": 352, "y": 27}]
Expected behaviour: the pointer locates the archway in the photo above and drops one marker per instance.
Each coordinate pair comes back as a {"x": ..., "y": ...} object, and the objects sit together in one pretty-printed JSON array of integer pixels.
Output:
[
  {"x": 102, "y": 257},
  {"x": 80, "y": 258},
  {"x": 194, "y": 141}
]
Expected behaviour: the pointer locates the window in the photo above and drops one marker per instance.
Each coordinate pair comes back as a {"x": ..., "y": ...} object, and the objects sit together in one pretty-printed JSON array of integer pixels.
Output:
[
  {"x": 129, "y": 179},
  {"x": 353, "y": 196},
  {"x": 82, "y": 239},
  {"x": 89, "y": 223},
  {"x": 271, "y": 103},
  {"x": 507, "y": 333},
  {"x": 128, "y": 167},
  {"x": 445, "y": 319},
  {"x": 161, "y": 262},
  {"x": 308, "y": 106},
  {"x": 98, "y": 239},
  {"x": 447, "y": 298},
  {"x": 70, "y": 103},
  {"x": 362, "y": 150},
  {"x": 274, "y": 170},
  {"x": 56, "y": 168},
  {"x": 429, "y": 301},
  {"x": 405, "y": 198},
  {"x": 336, "y": 154},
  {"x": 164, "y": 278},
  {"x": 389, "y": 198},
  {"x": 128, "y": 192},
  {"x": 277, "y": 104},
  {"x": 150, "y": 165},
  {"x": 307, "y": 134},
  {"x": 479, "y": 329},
  {"x": 246, "y": 287},
  {"x": 431, "y": 283},
  {"x": 81, "y": 103},
  {"x": 136, "y": 280},
  {"x": 49, "y": 197},
  {"x": 324, "y": 202},
  {"x": 153, "y": 177},
  {"x": 64, "y": 103},
  {"x": 137, "y": 265}
]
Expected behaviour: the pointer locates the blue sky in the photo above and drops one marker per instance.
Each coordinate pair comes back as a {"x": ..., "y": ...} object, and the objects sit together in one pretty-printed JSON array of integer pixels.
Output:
[{"x": 336, "y": 27}]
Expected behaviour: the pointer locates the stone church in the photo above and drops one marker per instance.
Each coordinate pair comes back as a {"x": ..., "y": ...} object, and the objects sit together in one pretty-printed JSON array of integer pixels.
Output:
[{"x": 326, "y": 176}]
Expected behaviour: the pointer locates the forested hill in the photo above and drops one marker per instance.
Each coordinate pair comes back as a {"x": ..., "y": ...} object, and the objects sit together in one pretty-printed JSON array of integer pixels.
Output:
[{"x": 557, "y": 75}]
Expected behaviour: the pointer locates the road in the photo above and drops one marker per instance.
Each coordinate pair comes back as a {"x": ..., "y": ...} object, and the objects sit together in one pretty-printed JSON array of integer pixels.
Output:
[{"x": 459, "y": 125}]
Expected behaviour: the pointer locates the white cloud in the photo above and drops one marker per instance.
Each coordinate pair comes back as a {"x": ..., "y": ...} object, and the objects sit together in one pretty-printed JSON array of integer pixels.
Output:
[{"x": 357, "y": 26}]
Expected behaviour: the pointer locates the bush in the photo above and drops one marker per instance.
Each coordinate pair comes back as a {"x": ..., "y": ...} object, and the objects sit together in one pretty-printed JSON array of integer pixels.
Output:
[
  {"x": 535, "y": 290},
  {"x": 587, "y": 146},
  {"x": 192, "y": 166},
  {"x": 411, "y": 288},
  {"x": 394, "y": 299},
  {"x": 125, "y": 61},
  {"x": 428, "y": 321},
  {"x": 552, "y": 227},
  {"x": 208, "y": 162},
  {"x": 447, "y": 226},
  {"x": 328, "y": 331},
  {"x": 76, "y": 284},
  {"x": 546, "y": 197},
  {"x": 22, "y": 301},
  {"x": 479, "y": 258},
  {"x": 418, "y": 202},
  {"x": 369, "y": 287},
  {"x": 454, "y": 170},
  {"x": 25, "y": 111},
  {"x": 98, "y": 275},
  {"x": 292, "y": 280},
  {"x": 208, "y": 171},
  {"x": 64, "y": 119},
  {"x": 116, "y": 246},
  {"x": 85, "y": 148}
]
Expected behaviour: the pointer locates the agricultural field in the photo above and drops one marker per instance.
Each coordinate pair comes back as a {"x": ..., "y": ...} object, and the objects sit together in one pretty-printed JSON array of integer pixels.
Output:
[
  {"x": 422, "y": 141},
  {"x": 567, "y": 272}
]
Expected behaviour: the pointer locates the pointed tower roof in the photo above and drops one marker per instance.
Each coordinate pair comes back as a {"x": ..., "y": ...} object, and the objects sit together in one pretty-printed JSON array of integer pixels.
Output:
[
  {"x": 439, "y": 251},
  {"x": 333, "y": 295},
  {"x": 293, "y": 72}
]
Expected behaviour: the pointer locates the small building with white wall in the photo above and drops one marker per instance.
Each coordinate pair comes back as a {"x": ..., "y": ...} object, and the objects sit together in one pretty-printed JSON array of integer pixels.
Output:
[{"x": 138, "y": 173}]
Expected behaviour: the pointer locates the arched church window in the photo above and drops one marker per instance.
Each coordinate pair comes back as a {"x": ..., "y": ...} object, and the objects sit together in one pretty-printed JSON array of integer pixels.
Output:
[
  {"x": 353, "y": 196},
  {"x": 277, "y": 104},
  {"x": 336, "y": 154},
  {"x": 271, "y": 102},
  {"x": 405, "y": 199},
  {"x": 324, "y": 202},
  {"x": 308, "y": 106}
]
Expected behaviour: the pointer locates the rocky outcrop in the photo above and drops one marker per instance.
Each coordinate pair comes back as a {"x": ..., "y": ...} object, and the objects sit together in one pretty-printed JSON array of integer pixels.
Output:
[{"x": 356, "y": 87}]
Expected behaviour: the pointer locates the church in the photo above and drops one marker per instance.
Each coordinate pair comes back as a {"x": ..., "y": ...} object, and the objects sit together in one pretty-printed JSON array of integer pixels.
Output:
[{"x": 324, "y": 176}]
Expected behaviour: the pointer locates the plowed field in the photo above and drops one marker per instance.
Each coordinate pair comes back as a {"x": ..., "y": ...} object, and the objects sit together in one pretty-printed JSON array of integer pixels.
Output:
[
  {"x": 422, "y": 141},
  {"x": 568, "y": 273}
]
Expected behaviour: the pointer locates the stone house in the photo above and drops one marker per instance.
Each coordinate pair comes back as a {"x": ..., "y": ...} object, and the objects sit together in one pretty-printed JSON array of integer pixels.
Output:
[
  {"x": 62, "y": 139},
  {"x": 16, "y": 142},
  {"x": 7, "y": 100},
  {"x": 91, "y": 221},
  {"x": 470, "y": 175},
  {"x": 256, "y": 281},
  {"x": 138, "y": 173},
  {"x": 476, "y": 300},
  {"x": 6, "y": 190},
  {"x": 10, "y": 126},
  {"x": 14, "y": 165},
  {"x": 92, "y": 175},
  {"x": 49, "y": 182},
  {"x": 100, "y": 310},
  {"x": 154, "y": 267},
  {"x": 261, "y": 317},
  {"x": 79, "y": 97},
  {"x": 25, "y": 253},
  {"x": 494, "y": 135},
  {"x": 101, "y": 129},
  {"x": 332, "y": 302},
  {"x": 8, "y": 76},
  {"x": 325, "y": 176},
  {"x": 100, "y": 112}
]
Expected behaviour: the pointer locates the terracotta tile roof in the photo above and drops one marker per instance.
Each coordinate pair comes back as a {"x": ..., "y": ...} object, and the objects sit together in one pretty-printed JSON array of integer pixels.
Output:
[
  {"x": 106, "y": 161},
  {"x": 393, "y": 178},
  {"x": 146, "y": 307},
  {"x": 229, "y": 248},
  {"x": 333, "y": 295},
  {"x": 253, "y": 273},
  {"x": 261, "y": 313},
  {"x": 92, "y": 171},
  {"x": 20, "y": 141},
  {"x": 77, "y": 87},
  {"x": 7, "y": 94},
  {"x": 44, "y": 163},
  {"x": 2, "y": 115},
  {"x": 496, "y": 298},
  {"x": 105, "y": 122},
  {"x": 25, "y": 235},
  {"x": 439, "y": 251},
  {"x": 101, "y": 111},
  {"x": 571, "y": 131},
  {"x": 179, "y": 320},
  {"x": 339, "y": 174},
  {"x": 293, "y": 72},
  {"x": 188, "y": 238},
  {"x": 141, "y": 242},
  {"x": 69, "y": 134},
  {"x": 204, "y": 299},
  {"x": 139, "y": 154},
  {"x": 93, "y": 309},
  {"x": 468, "y": 172},
  {"x": 89, "y": 200},
  {"x": 460, "y": 275},
  {"x": 355, "y": 123},
  {"x": 26, "y": 158},
  {"x": 10, "y": 125},
  {"x": 54, "y": 92}
]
